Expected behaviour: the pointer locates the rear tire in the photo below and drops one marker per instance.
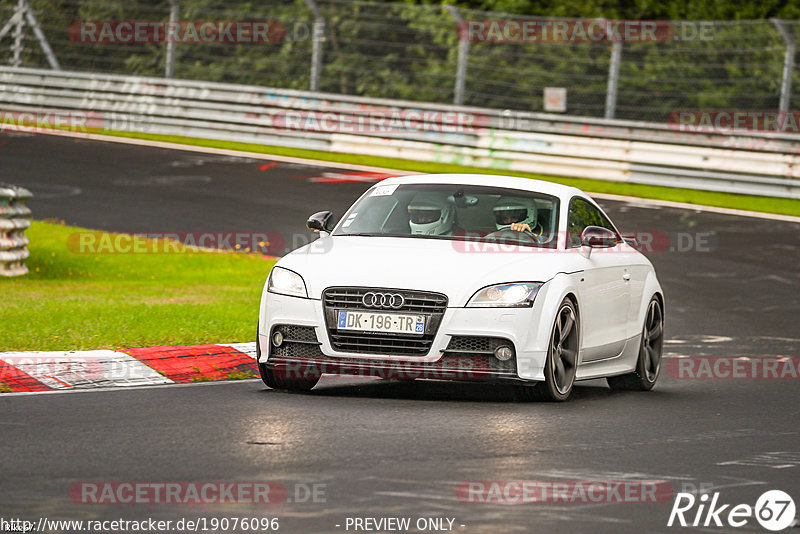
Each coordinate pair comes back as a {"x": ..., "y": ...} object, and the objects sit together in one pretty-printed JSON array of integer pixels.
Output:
[
  {"x": 562, "y": 359},
  {"x": 273, "y": 381},
  {"x": 651, "y": 346}
]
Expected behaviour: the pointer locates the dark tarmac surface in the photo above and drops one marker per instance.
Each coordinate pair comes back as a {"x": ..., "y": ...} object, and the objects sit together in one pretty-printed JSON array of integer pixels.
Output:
[{"x": 387, "y": 449}]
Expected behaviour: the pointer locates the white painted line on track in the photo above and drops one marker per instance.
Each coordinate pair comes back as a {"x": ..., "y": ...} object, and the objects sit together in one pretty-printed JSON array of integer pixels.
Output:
[
  {"x": 350, "y": 166},
  {"x": 696, "y": 207},
  {"x": 72, "y": 391}
]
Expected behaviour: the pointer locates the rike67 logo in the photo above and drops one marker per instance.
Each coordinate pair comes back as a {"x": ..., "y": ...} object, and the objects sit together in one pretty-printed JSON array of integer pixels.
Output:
[{"x": 774, "y": 510}]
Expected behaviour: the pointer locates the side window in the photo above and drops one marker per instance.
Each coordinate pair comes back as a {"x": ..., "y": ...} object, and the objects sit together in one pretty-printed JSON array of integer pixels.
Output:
[{"x": 583, "y": 214}]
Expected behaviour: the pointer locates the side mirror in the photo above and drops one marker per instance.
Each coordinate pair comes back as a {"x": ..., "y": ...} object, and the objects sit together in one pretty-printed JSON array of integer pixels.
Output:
[
  {"x": 320, "y": 222},
  {"x": 598, "y": 237}
]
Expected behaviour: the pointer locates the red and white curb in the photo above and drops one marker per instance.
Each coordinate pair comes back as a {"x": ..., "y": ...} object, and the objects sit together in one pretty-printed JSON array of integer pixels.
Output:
[{"x": 37, "y": 371}]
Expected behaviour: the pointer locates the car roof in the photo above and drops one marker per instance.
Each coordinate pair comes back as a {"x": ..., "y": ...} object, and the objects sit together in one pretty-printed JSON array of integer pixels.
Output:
[{"x": 512, "y": 182}]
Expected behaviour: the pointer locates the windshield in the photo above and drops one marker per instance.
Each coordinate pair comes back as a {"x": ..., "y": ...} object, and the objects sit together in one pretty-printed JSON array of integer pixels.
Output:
[{"x": 438, "y": 211}]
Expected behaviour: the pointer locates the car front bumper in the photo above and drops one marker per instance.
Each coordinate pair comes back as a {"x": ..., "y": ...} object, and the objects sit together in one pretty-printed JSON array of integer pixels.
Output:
[{"x": 462, "y": 348}]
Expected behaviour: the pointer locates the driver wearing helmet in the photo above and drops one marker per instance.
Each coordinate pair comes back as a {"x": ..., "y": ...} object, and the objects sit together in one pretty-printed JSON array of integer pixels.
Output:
[
  {"x": 431, "y": 214},
  {"x": 518, "y": 214}
]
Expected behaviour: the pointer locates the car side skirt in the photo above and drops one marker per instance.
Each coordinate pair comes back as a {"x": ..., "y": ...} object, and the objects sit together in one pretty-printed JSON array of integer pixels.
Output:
[{"x": 618, "y": 365}]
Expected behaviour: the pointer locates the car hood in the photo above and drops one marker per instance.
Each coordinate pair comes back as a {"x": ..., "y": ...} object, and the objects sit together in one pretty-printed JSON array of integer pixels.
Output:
[{"x": 455, "y": 268}]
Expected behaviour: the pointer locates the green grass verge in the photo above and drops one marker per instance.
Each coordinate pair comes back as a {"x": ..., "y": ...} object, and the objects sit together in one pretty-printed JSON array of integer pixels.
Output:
[
  {"x": 73, "y": 301},
  {"x": 782, "y": 206}
]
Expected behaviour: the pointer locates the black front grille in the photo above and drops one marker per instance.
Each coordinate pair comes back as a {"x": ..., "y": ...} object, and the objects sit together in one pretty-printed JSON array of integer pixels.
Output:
[
  {"x": 432, "y": 305},
  {"x": 349, "y": 298}
]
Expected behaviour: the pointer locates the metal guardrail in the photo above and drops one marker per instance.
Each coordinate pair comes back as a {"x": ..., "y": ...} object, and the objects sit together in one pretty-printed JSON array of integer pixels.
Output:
[
  {"x": 431, "y": 51},
  {"x": 13, "y": 222},
  {"x": 629, "y": 151}
]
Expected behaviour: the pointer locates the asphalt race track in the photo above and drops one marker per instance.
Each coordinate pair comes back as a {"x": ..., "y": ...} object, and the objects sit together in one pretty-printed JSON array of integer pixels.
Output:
[{"x": 400, "y": 449}]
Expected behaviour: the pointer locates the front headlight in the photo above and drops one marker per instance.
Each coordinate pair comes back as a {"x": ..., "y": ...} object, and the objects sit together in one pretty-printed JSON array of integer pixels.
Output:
[
  {"x": 286, "y": 282},
  {"x": 516, "y": 295}
]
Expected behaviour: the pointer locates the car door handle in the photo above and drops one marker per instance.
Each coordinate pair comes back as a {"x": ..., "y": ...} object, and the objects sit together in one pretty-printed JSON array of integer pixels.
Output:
[{"x": 626, "y": 276}]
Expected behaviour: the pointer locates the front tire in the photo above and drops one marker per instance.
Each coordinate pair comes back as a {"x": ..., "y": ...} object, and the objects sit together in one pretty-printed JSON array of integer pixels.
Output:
[
  {"x": 273, "y": 381},
  {"x": 562, "y": 359},
  {"x": 651, "y": 347}
]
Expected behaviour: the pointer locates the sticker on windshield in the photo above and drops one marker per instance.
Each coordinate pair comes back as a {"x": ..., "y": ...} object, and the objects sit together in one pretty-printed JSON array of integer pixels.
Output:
[
  {"x": 383, "y": 190},
  {"x": 349, "y": 220}
]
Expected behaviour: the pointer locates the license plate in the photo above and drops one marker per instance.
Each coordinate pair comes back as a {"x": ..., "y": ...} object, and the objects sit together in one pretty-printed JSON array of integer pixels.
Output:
[{"x": 381, "y": 322}]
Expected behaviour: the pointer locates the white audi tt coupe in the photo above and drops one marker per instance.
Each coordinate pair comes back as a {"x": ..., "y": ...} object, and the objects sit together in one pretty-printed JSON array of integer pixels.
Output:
[{"x": 465, "y": 277}]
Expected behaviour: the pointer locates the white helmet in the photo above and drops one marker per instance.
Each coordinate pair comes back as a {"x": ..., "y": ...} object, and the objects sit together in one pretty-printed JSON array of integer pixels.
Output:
[
  {"x": 509, "y": 210},
  {"x": 430, "y": 214}
]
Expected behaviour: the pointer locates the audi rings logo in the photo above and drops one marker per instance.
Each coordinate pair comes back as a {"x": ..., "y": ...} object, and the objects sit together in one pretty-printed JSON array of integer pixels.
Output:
[{"x": 394, "y": 301}]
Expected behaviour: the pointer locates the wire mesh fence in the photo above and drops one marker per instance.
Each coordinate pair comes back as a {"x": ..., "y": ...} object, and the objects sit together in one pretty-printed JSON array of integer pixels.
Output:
[{"x": 425, "y": 53}]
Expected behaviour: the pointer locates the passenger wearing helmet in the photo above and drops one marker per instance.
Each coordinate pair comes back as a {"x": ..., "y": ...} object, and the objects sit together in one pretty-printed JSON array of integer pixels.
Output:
[
  {"x": 518, "y": 214},
  {"x": 431, "y": 214}
]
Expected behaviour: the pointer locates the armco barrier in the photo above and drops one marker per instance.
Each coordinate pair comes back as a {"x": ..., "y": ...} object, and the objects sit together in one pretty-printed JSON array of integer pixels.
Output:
[
  {"x": 13, "y": 222},
  {"x": 753, "y": 163}
]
